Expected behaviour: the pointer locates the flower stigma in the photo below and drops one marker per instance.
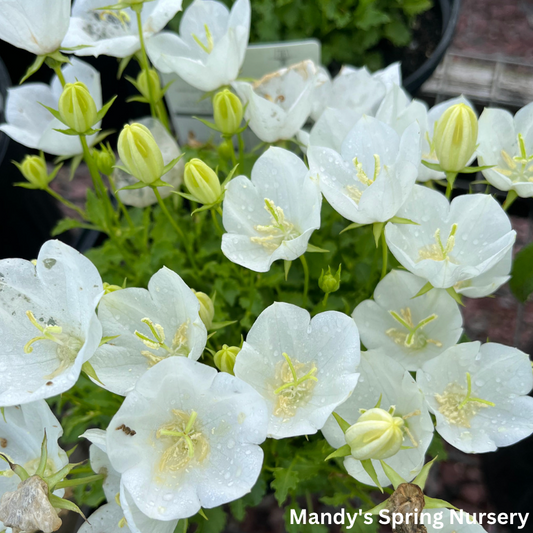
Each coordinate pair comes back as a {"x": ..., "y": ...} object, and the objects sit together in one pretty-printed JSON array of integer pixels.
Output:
[
  {"x": 520, "y": 167},
  {"x": 297, "y": 382},
  {"x": 414, "y": 337},
  {"x": 185, "y": 443},
  {"x": 179, "y": 344},
  {"x": 458, "y": 405},
  {"x": 439, "y": 251},
  {"x": 67, "y": 349},
  {"x": 209, "y": 37},
  {"x": 278, "y": 231}
]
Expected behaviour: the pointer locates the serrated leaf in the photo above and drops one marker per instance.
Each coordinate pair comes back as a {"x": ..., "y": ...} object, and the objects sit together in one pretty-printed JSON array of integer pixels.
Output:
[{"x": 285, "y": 481}]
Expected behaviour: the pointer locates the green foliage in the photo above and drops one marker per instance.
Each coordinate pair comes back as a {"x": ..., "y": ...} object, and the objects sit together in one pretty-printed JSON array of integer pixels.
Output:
[
  {"x": 522, "y": 274},
  {"x": 348, "y": 29}
]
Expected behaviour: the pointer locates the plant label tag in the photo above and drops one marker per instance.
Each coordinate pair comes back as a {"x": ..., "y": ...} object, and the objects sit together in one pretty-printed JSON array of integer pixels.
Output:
[{"x": 183, "y": 100}]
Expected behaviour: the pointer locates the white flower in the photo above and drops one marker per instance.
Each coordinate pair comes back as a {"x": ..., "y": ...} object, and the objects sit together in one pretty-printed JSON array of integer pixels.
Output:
[
  {"x": 115, "y": 32},
  {"x": 152, "y": 325},
  {"x": 22, "y": 430},
  {"x": 372, "y": 175},
  {"x": 454, "y": 242},
  {"x": 120, "y": 514},
  {"x": 330, "y": 129},
  {"x": 170, "y": 150},
  {"x": 272, "y": 216},
  {"x": 48, "y": 322},
  {"x": 278, "y": 105},
  {"x": 399, "y": 111},
  {"x": 382, "y": 377},
  {"x": 320, "y": 93},
  {"x": 34, "y": 25},
  {"x": 488, "y": 282},
  {"x": 303, "y": 368},
  {"x": 389, "y": 76},
  {"x": 31, "y": 124},
  {"x": 507, "y": 143},
  {"x": 210, "y": 49},
  {"x": 410, "y": 330},
  {"x": 428, "y": 149},
  {"x": 478, "y": 394},
  {"x": 187, "y": 437}
]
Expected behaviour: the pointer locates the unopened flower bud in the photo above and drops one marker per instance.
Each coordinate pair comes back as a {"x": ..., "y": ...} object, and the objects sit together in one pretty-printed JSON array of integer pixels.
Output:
[
  {"x": 202, "y": 181},
  {"x": 105, "y": 160},
  {"x": 111, "y": 288},
  {"x": 225, "y": 150},
  {"x": 150, "y": 86},
  {"x": 225, "y": 358},
  {"x": 329, "y": 282},
  {"x": 77, "y": 108},
  {"x": 140, "y": 154},
  {"x": 376, "y": 435},
  {"x": 228, "y": 112},
  {"x": 207, "y": 308},
  {"x": 33, "y": 168},
  {"x": 455, "y": 137}
]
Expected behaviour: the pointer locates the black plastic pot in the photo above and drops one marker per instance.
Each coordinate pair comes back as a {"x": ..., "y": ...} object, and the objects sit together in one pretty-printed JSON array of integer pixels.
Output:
[{"x": 450, "y": 15}]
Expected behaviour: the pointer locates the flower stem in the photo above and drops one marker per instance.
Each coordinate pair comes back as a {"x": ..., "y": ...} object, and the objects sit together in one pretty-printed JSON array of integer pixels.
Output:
[
  {"x": 385, "y": 251},
  {"x": 145, "y": 65},
  {"x": 306, "y": 277},
  {"x": 179, "y": 231},
  {"x": 217, "y": 225},
  {"x": 511, "y": 197},
  {"x": 59, "y": 74},
  {"x": 450, "y": 178},
  {"x": 119, "y": 202},
  {"x": 66, "y": 202}
]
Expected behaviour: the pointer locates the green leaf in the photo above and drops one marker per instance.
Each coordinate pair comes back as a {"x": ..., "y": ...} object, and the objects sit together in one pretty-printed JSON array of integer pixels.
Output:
[
  {"x": 352, "y": 226},
  {"x": 377, "y": 229},
  {"x": 473, "y": 170},
  {"x": 315, "y": 249},
  {"x": 393, "y": 476},
  {"x": 67, "y": 224},
  {"x": 426, "y": 288},
  {"x": 54, "y": 112},
  {"x": 522, "y": 274},
  {"x": 433, "y": 166},
  {"x": 342, "y": 423},
  {"x": 172, "y": 164},
  {"x": 102, "y": 113},
  {"x": 286, "y": 268},
  {"x": 219, "y": 325},
  {"x": 455, "y": 295},
  {"x": 215, "y": 521},
  {"x": 207, "y": 123},
  {"x": 124, "y": 62},
  {"x": 34, "y": 67},
  {"x": 285, "y": 481},
  {"x": 371, "y": 471},
  {"x": 89, "y": 370},
  {"x": 435, "y": 503},
  {"x": 343, "y": 451},
  {"x": 400, "y": 220},
  {"x": 422, "y": 476},
  {"x": 60, "y": 503},
  {"x": 95, "y": 209}
]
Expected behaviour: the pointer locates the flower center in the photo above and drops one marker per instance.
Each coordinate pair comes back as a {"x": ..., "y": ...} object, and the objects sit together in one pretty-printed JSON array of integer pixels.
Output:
[
  {"x": 520, "y": 167},
  {"x": 297, "y": 380},
  {"x": 353, "y": 191},
  {"x": 209, "y": 38},
  {"x": 184, "y": 442},
  {"x": 67, "y": 345},
  {"x": 278, "y": 231},
  {"x": 458, "y": 405},
  {"x": 179, "y": 346},
  {"x": 413, "y": 337},
  {"x": 439, "y": 251},
  {"x": 107, "y": 24}
]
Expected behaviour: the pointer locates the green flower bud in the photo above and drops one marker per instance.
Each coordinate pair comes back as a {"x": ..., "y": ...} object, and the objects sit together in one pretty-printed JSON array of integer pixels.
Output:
[
  {"x": 225, "y": 358},
  {"x": 202, "y": 181},
  {"x": 207, "y": 308},
  {"x": 140, "y": 154},
  {"x": 33, "y": 168},
  {"x": 329, "y": 282},
  {"x": 111, "y": 288},
  {"x": 105, "y": 160},
  {"x": 77, "y": 108},
  {"x": 150, "y": 83},
  {"x": 455, "y": 137},
  {"x": 225, "y": 150},
  {"x": 376, "y": 435},
  {"x": 228, "y": 112}
]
